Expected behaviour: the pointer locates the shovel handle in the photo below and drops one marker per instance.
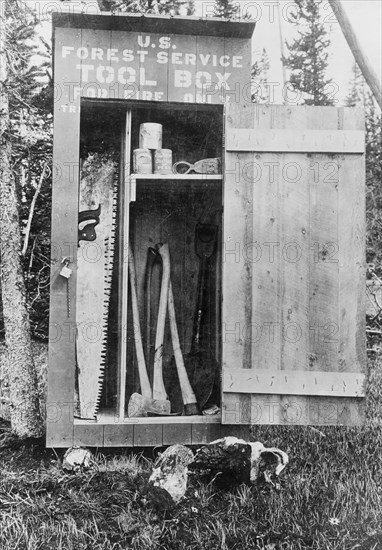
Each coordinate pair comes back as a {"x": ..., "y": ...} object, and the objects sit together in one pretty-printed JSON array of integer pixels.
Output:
[
  {"x": 199, "y": 306},
  {"x": 143, "y": 377},
  {"x": 152, "y": 257}
]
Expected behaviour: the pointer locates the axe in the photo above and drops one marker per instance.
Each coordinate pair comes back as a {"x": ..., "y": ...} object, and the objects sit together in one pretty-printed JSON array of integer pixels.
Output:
[{"x": 142, "y": 404}]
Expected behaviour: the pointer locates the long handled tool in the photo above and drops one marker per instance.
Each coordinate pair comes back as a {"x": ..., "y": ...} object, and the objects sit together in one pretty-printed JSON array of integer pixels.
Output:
[
  {"x": 202, "y": 368},
  {"x": 153, "y": 257},
  {"x": 142, "y": 404},
  {"x": 188, "y": 395},
  {"x": 159, "y": 391}
]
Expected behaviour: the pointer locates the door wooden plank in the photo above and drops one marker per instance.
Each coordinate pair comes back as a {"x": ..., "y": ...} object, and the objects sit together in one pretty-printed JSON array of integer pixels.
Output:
[
  {"x": 323, "y": 273},
  {"x": 294, "y": 263},
  {"x": 294, "y": 199},
  {"x": 294, "y": 245},
  {"x": 266, "y": 281},
  {"x": 352, "y": 237},
  {"x": 324, "y": 263},
  {"x": 237, "y": 273}
]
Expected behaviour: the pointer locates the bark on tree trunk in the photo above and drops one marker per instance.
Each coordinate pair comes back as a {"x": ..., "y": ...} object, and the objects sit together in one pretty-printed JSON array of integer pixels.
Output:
[
  {"x": 25, "y": 413},
  {"x": 363, "y": 62}
]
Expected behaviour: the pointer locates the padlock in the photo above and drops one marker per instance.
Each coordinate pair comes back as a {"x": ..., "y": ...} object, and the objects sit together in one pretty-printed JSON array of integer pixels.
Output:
[{"x": 66, "y": 272}]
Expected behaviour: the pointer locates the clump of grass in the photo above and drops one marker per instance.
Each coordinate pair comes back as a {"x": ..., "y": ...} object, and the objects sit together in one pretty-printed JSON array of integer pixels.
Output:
[
  {"x": 131, "y": 466},
  {"x": 330, "y": 498},
  {"x": 374, "y": 392}
]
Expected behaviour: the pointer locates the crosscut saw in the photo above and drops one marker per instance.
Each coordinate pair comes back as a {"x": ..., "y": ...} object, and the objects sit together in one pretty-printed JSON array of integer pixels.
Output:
[{"x": 96, "y": 235}]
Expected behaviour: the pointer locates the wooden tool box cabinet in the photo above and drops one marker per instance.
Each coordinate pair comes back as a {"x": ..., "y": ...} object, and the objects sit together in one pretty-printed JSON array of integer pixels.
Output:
[{"x": 285, "y": 288}]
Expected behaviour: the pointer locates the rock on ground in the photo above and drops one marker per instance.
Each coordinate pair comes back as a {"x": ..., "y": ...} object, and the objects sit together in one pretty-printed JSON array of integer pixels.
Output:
[{"x": 168, "y": 481}]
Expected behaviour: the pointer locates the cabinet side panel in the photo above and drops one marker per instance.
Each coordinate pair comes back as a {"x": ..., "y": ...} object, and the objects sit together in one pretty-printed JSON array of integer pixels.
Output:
[{"x": 64, "y": 239}]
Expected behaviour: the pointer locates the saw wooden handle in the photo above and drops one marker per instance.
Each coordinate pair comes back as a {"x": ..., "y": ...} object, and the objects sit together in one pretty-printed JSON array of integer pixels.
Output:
[
  {"x": 143, "y": 377},
  {"x": 188, "y": 395},
  {"x": 159, "y": 391},
  {"x": 203, "y": 166}
]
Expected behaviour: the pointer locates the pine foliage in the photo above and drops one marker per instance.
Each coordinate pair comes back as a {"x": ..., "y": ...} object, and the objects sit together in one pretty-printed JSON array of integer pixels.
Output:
[
  {"x": 308, "y": 56},
  {"x": 259, "y": 77},
  {"x": 160, "y": 7},
  {"x": 227, "y": 9},
  {"x": 360, "y": 95},
  {"x": 31, "y": 134}
]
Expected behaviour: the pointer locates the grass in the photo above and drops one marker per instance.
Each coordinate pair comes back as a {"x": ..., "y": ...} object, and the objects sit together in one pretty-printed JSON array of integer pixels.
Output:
[{"x": 330, "y": 496}]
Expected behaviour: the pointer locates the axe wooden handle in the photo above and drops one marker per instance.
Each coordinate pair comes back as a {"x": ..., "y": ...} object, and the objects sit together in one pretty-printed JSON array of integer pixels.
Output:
[
  {"x": 143, "y": 377},
  {"x": 185, "y": 386},
  {"x": 159, "y": 391}
]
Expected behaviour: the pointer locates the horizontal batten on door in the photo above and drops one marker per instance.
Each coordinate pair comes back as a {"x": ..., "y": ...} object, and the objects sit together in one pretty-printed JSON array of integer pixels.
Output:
[
  {"x": 333, "y": 384},
  {"x": 296, "y": 141}
]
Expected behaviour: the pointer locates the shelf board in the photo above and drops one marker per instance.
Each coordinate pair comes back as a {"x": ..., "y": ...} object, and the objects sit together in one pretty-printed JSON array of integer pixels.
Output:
[
  {"x": 182, "y": 177},
  {"x": 110, "y": 417}
]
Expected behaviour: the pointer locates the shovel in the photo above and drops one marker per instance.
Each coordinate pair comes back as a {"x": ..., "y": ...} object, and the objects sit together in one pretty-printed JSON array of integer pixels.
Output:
[
  {"x": 201, "y": 366},
  {"x": 141, "y": 404}
]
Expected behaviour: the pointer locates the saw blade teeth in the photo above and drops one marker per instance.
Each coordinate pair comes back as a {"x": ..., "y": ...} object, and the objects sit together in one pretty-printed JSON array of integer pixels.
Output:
[{"x": 106, "y": 190}]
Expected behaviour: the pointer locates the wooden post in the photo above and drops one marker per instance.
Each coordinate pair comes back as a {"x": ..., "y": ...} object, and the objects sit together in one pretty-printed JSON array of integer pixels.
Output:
[{"x": 360, "y": 57}]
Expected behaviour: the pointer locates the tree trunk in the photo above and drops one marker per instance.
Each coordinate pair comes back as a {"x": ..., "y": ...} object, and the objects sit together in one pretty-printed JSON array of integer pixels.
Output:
[
  {"x": 25, "y": 414},
  {"x": 363, "y": 62}
]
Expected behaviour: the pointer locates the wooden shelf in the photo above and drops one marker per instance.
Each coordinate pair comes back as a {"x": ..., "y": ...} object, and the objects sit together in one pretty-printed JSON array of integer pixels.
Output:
[
  {"x": 182, "y": 177},
  {"x": 110, "y": 417}
]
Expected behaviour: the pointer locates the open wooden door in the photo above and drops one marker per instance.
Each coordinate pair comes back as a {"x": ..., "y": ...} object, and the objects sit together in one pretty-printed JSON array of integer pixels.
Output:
[{"x": 293, "y": 265}]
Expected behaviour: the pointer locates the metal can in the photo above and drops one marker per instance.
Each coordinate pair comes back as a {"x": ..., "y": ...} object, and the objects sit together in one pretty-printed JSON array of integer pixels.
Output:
[
  {"x": 142, "y": 161},
  {"x": 150, "y": 135},
  {"x": 163, "y": 161}
]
